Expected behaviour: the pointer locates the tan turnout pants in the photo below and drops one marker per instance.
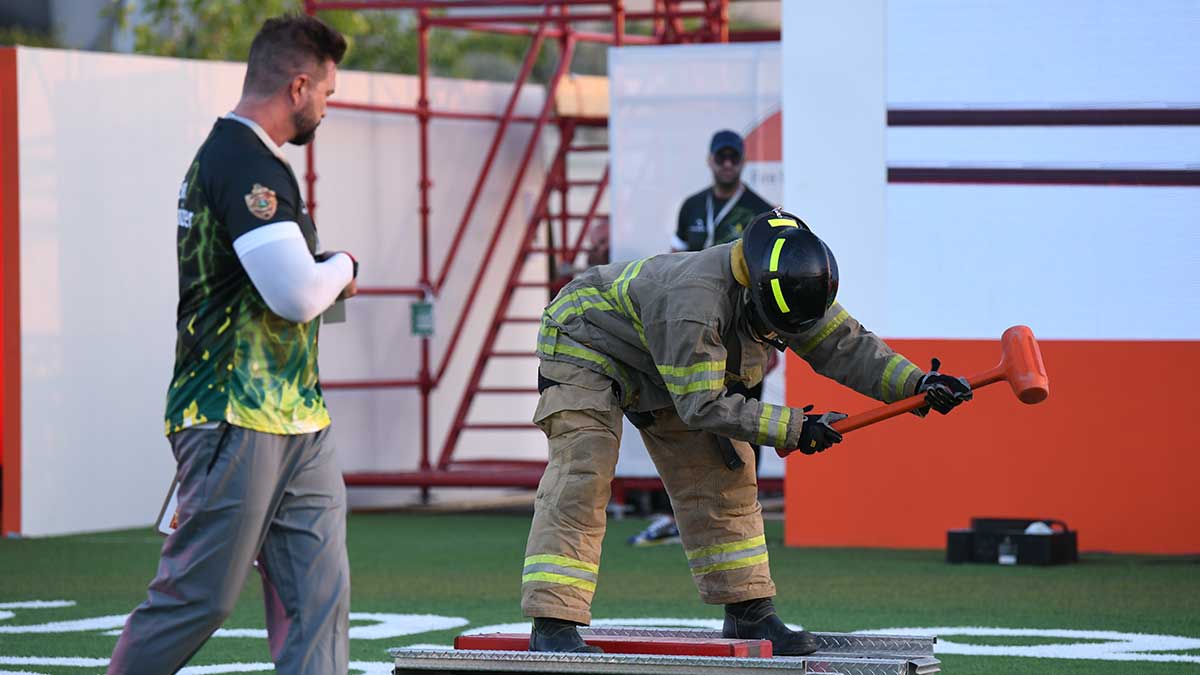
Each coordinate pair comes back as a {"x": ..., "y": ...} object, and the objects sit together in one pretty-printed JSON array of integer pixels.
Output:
[{"x": 716, "y": 509}]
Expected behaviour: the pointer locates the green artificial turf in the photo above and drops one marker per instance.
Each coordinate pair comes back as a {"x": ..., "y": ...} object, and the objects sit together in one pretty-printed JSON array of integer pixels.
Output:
[{"x": 469, "y": 566}]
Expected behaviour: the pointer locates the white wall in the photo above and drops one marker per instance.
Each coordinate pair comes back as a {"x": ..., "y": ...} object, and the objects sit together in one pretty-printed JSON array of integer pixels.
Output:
[
  {"x": 834, "y": 122},
  {"x": 104, "y": 142},
  {"x": 1071, "y": 261}
]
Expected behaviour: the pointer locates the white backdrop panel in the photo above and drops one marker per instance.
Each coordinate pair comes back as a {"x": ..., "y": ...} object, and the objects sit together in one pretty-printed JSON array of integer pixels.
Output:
[
  {"x": 1114, "y": 263},
  {"x": 105, "y": 140},
  {"x": 1008, "y": 52},
  {"x": 1166, "y": 147},
  {"x": 665, "y": 105}
]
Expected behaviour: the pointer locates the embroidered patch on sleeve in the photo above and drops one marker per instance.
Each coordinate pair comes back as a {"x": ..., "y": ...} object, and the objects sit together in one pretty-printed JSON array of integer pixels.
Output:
[{"x": 261, "y": 202}]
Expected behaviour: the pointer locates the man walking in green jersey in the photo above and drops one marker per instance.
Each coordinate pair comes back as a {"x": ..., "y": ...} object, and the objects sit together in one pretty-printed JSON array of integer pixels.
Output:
[{"x": 247, "y": 423}]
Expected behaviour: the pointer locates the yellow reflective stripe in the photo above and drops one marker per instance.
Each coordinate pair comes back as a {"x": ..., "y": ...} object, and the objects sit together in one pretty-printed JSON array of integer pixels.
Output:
[
  {"x": 223, "y": 326},
  {"x": 693, "y": 387},
  {"x": 753, "y": 542},
  {"x": 825, "y": 332},
  {"x": 764, "y": 423},
  {"x": 774, "y": 267},
  {"x": 624, "y": 295},
  {"x": 637, "y": 268},
  {"x": 779, "y": 296},
  {"x": 614, "y": 291},
  {"x": 782, "y": 222},
  {"x": 781, "y": 428},
  {"x": 560, "y": 579},
  {"x": 586, "y": 355},
  {"x": 561, "y": 561},
  {"x": 731, "y": 565},
  {"x": 904, "y": 378},
  {"x": 887, "y": 374},
  {"x": 576, "y": 302},
  {"x": 689, "y": 371},
  {"x": 581, "y": 307},
  {"x": 775, "y": 255}
]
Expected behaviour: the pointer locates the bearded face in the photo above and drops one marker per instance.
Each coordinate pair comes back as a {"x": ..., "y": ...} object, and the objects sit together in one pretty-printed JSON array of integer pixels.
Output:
[{"x": 305, "y": 121}]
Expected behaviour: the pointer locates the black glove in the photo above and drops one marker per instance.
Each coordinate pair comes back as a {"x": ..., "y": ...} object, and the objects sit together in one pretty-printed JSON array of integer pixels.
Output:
[
  {"x": 942, "y": 392},
  {"x": 818, "y": 434}
]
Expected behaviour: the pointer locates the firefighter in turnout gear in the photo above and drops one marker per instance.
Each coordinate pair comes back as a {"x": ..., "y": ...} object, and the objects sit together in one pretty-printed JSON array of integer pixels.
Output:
[{"x": 658, "y": 340}]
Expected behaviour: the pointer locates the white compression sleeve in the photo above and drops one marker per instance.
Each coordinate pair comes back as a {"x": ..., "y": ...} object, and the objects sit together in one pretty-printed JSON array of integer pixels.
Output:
[{"x": 294, "y": 286}]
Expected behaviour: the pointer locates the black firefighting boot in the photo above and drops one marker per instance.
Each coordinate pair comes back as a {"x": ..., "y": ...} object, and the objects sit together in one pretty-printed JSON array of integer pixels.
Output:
[
  {"x": 555, "y": 635},
  {"x": 757, "y": 620}
]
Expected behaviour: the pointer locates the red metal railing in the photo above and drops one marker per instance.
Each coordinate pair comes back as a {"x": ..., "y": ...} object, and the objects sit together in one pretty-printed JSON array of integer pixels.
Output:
[{"x": 558, "y": 20}]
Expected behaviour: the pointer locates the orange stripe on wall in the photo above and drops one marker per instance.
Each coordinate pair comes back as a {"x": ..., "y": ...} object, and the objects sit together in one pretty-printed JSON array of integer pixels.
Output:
[
  {"x": 10, "y": 297},
  {"x": 1114, "y": 451}
]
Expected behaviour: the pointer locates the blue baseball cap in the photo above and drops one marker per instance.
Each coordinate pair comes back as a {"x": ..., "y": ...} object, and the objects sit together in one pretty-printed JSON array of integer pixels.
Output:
[{"x": 726, "y": 139}]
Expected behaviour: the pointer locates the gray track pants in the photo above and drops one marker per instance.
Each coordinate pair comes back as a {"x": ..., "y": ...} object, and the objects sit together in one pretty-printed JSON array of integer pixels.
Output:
[{"x": 247, "y": 495}]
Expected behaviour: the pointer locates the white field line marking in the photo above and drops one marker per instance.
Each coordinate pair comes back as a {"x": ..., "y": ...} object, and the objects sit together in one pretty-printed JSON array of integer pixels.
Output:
[
  {"x": 1114, "y": 646},
  {"x": 37, "y": 604},
  {"x": 77, "y": 626},
  {"x": 64, "y": 661}
]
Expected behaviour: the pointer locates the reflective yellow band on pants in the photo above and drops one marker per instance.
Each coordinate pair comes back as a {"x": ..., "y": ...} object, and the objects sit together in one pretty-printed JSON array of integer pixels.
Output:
[
  {"x": 731, "y": 556},
  {"x": 561, "y": 570}
]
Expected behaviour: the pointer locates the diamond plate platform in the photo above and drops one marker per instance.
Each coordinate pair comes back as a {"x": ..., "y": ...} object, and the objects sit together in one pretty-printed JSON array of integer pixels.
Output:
[
  {"x": 453, "y": 662},
  {"x": 831, "y": 643}
]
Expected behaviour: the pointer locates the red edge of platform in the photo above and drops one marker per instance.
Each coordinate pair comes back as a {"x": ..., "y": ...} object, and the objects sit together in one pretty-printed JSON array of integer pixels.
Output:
[{"x": 673, "y": 646}]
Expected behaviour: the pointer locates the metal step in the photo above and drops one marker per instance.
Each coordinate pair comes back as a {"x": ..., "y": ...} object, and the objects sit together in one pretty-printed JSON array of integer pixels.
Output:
[
  {"x": 845, "y": 653},
  {"x": 459, "y": 661},
  {"x": 831, "y": 643}
]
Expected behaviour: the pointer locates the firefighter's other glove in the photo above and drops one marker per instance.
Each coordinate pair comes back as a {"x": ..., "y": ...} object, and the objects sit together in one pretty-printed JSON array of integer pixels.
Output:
[
  {"x": 817, "y": 434},
  {"x": 942, "y": 392}
]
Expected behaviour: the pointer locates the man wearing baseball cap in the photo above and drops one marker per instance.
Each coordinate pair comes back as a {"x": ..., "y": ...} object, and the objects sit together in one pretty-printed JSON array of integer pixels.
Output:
[
  {"x": 715, "y": 215},
  {"x": 718, "y": 213}
]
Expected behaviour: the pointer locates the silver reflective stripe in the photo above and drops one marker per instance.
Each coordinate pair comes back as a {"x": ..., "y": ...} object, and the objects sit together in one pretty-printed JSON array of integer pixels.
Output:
[
  {"x": 726, "y": 557},
  {"x": 565, "y": 571},
  {"x": 895, "y": 373}
]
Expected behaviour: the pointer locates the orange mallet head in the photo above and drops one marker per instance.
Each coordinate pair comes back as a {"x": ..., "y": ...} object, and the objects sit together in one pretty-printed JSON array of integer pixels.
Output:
[{"x": 1020, "y": 364}]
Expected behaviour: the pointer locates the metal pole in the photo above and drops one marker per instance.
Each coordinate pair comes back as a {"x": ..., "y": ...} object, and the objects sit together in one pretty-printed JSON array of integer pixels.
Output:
[
  {"x": 723, "y": 20},
  {"x": 310, "y": 178},
  {"x": 425, "y": 183},
  {"x": 619, "y": 22}
]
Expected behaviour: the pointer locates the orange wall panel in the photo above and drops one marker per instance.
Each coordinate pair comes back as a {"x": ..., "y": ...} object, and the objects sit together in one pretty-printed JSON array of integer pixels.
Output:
[{"x": 1114, "y": 451}]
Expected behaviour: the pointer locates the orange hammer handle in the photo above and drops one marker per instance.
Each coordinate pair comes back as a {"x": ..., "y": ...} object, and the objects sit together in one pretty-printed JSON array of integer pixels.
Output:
[{"x": 904, "y": 405}]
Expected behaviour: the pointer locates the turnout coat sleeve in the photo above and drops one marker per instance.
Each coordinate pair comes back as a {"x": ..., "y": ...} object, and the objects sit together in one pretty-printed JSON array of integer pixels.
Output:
[
  {"x": 690, "y": 357},
  {"x": 839, "y": 348}
]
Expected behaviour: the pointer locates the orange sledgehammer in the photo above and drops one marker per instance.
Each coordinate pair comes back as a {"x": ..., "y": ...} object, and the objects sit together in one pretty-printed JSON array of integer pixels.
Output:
[{"x": 1020, "y": 364}]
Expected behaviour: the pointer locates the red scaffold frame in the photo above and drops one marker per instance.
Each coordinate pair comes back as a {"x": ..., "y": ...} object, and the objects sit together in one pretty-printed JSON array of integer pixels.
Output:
[{"x": 557, "y": 19}]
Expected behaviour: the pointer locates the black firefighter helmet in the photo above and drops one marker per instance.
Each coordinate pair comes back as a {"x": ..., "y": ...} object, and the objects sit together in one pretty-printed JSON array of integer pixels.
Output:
[{"x": 793, "y": 274}]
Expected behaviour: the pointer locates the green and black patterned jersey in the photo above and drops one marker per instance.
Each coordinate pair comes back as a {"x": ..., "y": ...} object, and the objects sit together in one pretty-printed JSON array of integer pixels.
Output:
[
  {"x": 235, "y": 360},
  {"x": 694, "y": 232}
]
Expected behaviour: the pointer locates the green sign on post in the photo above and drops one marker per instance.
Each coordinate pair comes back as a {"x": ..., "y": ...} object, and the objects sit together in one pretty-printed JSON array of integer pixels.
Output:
[{"x": 422, "y": 318}]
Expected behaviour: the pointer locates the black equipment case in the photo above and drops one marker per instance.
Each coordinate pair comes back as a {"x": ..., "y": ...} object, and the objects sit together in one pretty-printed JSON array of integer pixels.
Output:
[{"x": 1003, "y": 540}]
